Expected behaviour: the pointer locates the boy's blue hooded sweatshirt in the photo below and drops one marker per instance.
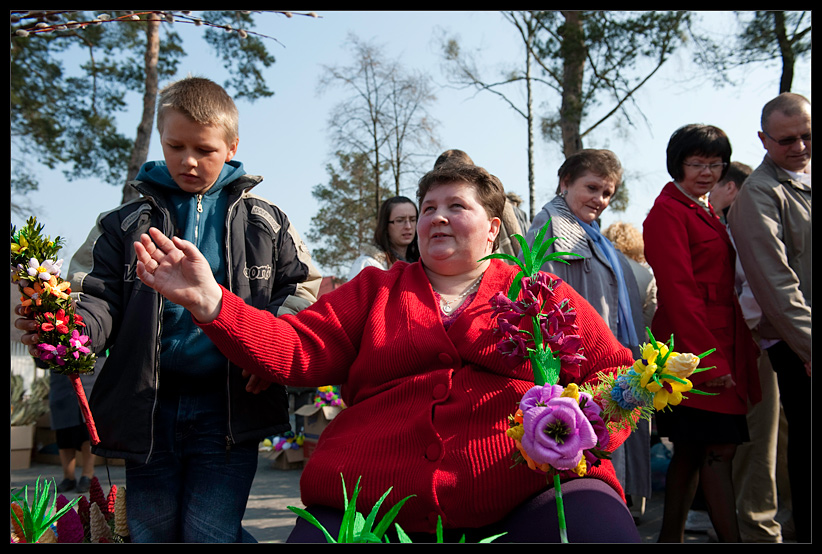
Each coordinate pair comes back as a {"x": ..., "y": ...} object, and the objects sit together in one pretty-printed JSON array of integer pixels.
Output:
[{"x": 201, "y": 220}]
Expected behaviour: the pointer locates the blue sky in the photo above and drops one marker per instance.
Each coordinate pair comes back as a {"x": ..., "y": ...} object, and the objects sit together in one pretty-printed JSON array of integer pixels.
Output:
[{"x": 285, "y": 138}]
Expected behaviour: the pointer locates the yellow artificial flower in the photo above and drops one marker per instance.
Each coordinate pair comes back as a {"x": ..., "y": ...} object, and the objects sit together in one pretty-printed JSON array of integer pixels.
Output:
[
  {"x": 571, "y": 391},
  {"x": 646, "y": 365},
  {"x": 681, "y": 365},
  {"x": 19, "y": 246},
  {"x": 645, "y": 370},
  {"x": 582, "y": 467},
  {"x": 515, "y": 432},
  {"x": 669, "y": 393},
  {"x": 56, "y": 289}
]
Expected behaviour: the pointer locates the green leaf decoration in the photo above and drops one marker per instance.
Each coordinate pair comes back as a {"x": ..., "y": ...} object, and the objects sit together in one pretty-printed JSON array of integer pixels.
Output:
[
  {"x": 313, "y": 520},
  {"x": 356, "y": 528},
  {"x": 533, "y": 258},
  {"x": 38, "y": 516}
]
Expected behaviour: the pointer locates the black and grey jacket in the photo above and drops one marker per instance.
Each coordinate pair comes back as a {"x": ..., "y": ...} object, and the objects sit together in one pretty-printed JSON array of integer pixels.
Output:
[{"x": 267, "y": 265}]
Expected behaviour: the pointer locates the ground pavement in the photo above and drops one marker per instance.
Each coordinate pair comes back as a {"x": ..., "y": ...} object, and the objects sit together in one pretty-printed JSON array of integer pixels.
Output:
[{"x": 267, "y": 517}]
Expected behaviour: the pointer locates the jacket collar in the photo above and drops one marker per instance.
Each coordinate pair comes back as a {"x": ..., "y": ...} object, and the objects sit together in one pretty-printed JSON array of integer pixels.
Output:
[
  {"x": 710, "y": 218},
  {"x": 570, "y": 235},
  {"x": 783, "y": 176},
  {"x": 239, "y": 186},
  {"x": 672, "y": 190}
]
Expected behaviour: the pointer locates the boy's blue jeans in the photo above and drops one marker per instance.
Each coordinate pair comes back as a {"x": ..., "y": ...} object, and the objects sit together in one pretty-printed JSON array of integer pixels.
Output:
[{"x": 192, "y": 489}]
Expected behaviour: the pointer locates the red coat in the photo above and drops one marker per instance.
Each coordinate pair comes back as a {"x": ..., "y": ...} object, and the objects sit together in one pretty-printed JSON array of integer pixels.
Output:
[
  {"x": 427, "y": 407},
  {"x": 694, "y": 263}
]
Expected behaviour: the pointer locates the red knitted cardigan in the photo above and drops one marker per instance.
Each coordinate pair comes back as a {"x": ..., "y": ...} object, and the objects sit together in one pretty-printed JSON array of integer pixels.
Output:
[{"x": 426, "y": 408}]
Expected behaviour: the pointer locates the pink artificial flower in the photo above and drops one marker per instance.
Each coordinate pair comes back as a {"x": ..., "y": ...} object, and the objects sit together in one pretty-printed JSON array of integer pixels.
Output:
[{"x": 77, "y": 342}]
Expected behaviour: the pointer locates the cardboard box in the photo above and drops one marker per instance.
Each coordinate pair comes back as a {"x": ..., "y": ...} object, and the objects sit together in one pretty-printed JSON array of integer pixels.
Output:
[
  {"x": 292, "y": 458},
  {"x": 316, "y": 419},
  {"x": 22, "y": 443}
]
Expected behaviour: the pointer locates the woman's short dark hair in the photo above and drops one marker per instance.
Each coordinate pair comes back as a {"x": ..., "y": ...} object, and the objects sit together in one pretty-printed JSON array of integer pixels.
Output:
[
  {"x": 489, "y": 189},
  {"x": 600, "y": 162},
  {"x": 697, "y": 140},
  {"x": 381, "y": 240}
]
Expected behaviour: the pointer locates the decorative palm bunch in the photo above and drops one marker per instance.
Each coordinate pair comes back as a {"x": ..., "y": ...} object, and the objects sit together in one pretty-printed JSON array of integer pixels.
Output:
[{"x": 63, "y": 347}]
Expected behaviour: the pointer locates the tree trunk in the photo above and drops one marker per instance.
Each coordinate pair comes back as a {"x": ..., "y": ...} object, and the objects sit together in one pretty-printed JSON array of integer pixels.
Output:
[
  {"x": 375, "y": 134},
  {"x": 574, "y": 53},
  {"x": 786, "y": 50},
  {"x": 532, "y": 190},
  {"x": 141, "y": 143}
]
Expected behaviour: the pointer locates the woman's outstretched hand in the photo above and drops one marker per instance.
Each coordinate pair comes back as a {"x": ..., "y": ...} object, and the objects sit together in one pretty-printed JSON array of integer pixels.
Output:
[{"x": 177, "y": 270}]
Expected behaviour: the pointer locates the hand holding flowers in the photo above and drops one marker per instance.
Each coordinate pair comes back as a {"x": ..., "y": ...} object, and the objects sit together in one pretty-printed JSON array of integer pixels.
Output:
[{"x": 45, "y": 297}]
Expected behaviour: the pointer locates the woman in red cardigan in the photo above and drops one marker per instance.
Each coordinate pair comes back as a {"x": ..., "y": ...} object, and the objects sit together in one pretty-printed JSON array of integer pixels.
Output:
[
  {"x": 427, "y": 392},
  {"x": 693, "y": 261}
]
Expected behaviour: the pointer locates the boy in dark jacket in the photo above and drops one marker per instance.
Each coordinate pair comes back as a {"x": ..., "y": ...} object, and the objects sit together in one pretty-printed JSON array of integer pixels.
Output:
[{"x": 167, "y": 400}]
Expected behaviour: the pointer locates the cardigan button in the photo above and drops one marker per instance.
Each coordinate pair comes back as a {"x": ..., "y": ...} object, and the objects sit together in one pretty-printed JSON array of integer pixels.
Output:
[
  {"x": 446, "y": 358},
  {"x": 432, "y": 453},
  {"x": 440, "y": 392}
]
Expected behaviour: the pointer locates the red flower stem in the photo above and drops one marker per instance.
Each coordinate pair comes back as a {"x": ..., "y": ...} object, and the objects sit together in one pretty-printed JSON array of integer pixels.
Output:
[{"x": 84, "y": 407}]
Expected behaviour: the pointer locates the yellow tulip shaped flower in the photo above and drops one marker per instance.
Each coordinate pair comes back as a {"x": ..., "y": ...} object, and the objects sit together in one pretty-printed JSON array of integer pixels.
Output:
[
  {"x": 646, "y": 365},
  {"x": 669, "y": 393}
]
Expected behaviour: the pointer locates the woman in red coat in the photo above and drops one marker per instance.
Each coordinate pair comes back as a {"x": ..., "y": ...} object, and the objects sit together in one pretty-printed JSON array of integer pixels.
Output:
[
  {"x": 693, "y": 261},
  {"x": 427, "y": 391}
]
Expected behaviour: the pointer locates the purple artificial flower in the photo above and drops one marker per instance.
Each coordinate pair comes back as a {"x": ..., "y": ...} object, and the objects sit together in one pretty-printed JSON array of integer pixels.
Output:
[
  {"x": 514, "y": 348},
  {"x": 540, "y": 284},
  {"x": 508, "y": 324},
  {"x": 52, "y": 353},
  {"x": 557, "y": 433},
  {"x": 60, "y": 352},
  {"x": 47, "y": 351},
  {"x": 502, "y": 304},
  {"x": 559, "y": 321},
  {"x": 593, "y": 412},
  {"x": 539, "y": 396},
  {"x": 568, "y": 349}
]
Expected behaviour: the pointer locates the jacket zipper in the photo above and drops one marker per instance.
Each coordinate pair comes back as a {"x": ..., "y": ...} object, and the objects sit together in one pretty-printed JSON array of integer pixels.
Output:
[
  {"x": 158, "y": 345},
  {"x": 197, "y": 221},
  {"x": 229, "y": 439}
]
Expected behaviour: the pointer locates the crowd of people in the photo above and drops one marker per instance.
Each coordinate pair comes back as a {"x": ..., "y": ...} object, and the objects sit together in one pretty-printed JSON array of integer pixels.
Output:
[{"x": 205, "y": 299}]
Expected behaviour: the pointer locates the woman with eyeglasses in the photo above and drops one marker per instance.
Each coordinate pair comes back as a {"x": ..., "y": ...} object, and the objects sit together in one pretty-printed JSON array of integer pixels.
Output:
[
  {"x": 693, "y": 260},
  {"x": 395, "y": 237},
  {"x": 426, "y": 389}
]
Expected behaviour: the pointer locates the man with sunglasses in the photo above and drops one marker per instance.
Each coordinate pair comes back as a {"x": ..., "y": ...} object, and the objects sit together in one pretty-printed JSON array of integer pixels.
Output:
[{"x": 771, "y": 225}]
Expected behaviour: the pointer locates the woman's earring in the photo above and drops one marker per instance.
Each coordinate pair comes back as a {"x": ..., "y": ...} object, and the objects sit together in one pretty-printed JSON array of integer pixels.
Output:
[{"x": 563, "y": 193}]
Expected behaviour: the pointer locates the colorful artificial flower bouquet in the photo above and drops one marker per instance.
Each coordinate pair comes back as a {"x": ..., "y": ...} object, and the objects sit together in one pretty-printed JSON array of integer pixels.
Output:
[
  {"x": 328, "y": 395},
  {"x": 63, "y": 347},
  {"x": 562, "y": 431}
]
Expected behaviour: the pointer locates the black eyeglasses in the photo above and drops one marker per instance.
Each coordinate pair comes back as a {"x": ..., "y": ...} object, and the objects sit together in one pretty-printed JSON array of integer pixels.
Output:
[
  {"x": 715, "y": 168},
  {"x": 403, "y": 221},
  {"x": 788, "y": 141}
]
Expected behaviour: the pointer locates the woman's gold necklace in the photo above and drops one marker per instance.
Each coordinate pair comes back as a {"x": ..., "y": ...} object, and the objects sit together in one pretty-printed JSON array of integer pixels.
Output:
[{"x": 448, "y": 306}]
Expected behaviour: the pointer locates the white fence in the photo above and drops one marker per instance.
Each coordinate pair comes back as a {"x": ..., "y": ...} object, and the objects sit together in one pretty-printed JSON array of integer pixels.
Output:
[{"x": 23, "y": 364}]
